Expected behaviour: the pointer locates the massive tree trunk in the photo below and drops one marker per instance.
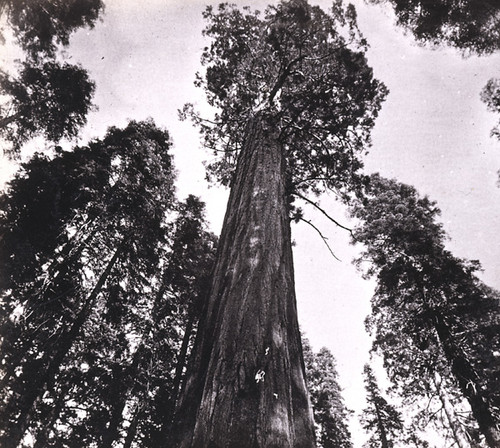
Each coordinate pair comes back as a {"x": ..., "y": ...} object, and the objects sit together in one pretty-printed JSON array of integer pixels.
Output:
[{"x": 246, "y": 386}]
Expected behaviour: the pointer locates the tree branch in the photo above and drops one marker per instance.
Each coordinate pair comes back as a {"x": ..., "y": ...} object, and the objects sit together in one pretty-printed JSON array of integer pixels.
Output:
[
  {"x": 322, "y": 237},
  {"x": 5, "y": 121},
  {"x": 324, "y": 212}
]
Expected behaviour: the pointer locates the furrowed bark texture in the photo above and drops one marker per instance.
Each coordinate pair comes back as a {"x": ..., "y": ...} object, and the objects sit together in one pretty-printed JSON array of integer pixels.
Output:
[{"x": 246, "y": 385}]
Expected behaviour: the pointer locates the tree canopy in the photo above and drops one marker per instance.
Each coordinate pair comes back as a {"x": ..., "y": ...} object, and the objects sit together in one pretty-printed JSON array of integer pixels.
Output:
[
  {"x": 431, "y": 314},
  {"x": 44, "y": 95},
  {"x": 491, "y": 97},
  {"x": 98, "y": 282},
  {"x": 471, "y": 26},
  {"x": 306, "y": 72},
  {"x": 48, "y": 99},
  {"x": 41, "y": 25}
]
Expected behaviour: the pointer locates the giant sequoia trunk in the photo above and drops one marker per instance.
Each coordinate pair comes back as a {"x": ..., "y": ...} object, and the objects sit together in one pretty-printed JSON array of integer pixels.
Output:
[{"x": 246, "y": 385}]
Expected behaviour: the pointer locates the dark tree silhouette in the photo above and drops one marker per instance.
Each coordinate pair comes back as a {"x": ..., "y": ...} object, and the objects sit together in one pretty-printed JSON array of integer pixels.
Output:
[
  {"x": 381, "y": 419},
  {"x": 91, "y": 235},
  {"x": 470, "y": 25},
  {"x": 430, "y": 298},
  {"x": 44, "y": 96},
  {"x": 41, "y": 25},
  {"x": 330, "y": 413}
]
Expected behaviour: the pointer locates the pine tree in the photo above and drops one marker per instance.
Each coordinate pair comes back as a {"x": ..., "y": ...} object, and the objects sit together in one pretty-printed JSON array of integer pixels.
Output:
[
  {"x": 96, "y": 231},
  {"x": 381, "y": 419},
  {"x": 330, "y": 413},
  {"x": 428, "y": 300}
]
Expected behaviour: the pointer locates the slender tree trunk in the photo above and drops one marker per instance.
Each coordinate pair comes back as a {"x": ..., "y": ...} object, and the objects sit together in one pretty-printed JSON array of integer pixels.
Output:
[
  {"x": 182, "y": 357},
  {"x": 43, "y": 380},
  {"x": 380, "y": 425},
  {"x": 167, "y": 433},
  {"x": 459, "y": 437},
  {"x": 245, "y": 386},
  {"x": 132, "y": 429},
  {"x": 468, "y": 383}
]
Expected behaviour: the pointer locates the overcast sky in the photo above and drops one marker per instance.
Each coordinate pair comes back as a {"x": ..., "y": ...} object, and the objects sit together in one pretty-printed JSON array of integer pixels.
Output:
[{"x": 433, "y": 132}]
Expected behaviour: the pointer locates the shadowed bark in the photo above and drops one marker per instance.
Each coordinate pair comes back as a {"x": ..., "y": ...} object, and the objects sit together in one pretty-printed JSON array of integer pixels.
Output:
[{"x": 246, "y": 384}]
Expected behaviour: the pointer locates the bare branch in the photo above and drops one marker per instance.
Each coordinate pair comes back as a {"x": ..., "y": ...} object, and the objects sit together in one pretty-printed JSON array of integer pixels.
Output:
[
  {"x": 324, "y": 212},
  {"x": 322, "y": 237}
]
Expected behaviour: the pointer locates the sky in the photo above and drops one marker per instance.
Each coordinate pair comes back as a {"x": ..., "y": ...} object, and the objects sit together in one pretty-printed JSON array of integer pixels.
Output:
[{"x": 432, "y": 132}]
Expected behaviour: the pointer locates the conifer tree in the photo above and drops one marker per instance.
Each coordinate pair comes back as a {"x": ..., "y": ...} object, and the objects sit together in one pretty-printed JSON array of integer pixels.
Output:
[
  {"x": 330, "y": 413},
  {"x": 431, "y": 314},
  {"x": 295, "y": 101},
  {"x": 44, "y": 95},
  {"x": 381, "y": 419},
  {"x": 92, "y": 236}
]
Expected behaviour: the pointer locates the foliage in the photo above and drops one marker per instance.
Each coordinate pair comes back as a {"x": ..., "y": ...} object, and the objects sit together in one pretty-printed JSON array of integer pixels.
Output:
[
  {"x": 44, "y": 96},
  {"x": 50, "y": 99},
  {"x": 430, "y": 313},
  {"x": 382, "y": 420},
  {"x": 330, "y": 412},
  {"x": 491, "y": 97},
  {"x": 98, "y": 284},
  {"x": 304, "y": 71},
  {"x": 471, "y": 26},
  {"x": 41, "y": 25}
]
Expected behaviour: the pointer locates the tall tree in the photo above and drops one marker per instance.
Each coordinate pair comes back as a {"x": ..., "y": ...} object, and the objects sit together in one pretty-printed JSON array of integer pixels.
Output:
[
  {"x": 431, "y": 298},
  {"x": 381, "y": 419},
  {"x": 295, "y": 101},
  {"x": 44, "y": 96},
  {"x": 421, "y": 378},
  {"x": 125, "y": 389},
  {"x": 95, "y": 229},
  {"x": 330, "y": 413}
]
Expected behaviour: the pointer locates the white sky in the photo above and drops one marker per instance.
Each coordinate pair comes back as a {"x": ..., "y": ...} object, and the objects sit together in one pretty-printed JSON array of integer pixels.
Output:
[{"x": 433, "y": 132}]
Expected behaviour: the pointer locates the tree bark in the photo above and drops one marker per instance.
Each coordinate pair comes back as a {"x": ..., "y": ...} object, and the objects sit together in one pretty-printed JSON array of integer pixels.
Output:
[{"x": 245, "y": 385}]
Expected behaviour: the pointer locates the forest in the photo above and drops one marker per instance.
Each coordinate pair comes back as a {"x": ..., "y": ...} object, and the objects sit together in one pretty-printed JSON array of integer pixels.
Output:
[{"x": 251, "y": 224}]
